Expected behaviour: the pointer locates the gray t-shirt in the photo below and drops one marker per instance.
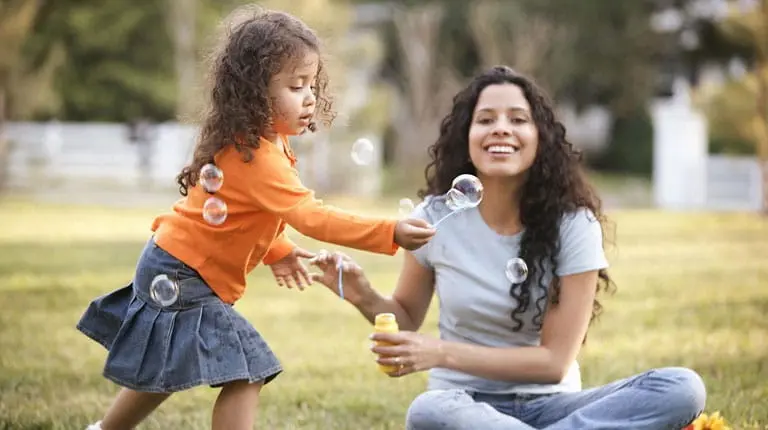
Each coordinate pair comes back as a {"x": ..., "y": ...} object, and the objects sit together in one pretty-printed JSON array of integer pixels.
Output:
[{"x": 469, "y": 259}]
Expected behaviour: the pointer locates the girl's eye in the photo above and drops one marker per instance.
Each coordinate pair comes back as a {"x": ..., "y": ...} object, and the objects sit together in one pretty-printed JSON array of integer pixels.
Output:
[
  {"x": 296, "y": 88},
  {"x": 484, "y": 121}
]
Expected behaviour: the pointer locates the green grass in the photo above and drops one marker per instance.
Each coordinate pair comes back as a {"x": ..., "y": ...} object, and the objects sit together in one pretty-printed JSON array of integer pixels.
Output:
[{"x": 693, "y": 291}]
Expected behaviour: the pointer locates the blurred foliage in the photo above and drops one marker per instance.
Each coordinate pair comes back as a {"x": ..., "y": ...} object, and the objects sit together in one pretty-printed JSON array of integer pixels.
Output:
[
  {"x": 26, "y": 84},
  {"x": 631, "y": 148},
  {"x": 731, "y": 112},
  {"x": 737, "y": 111},
  {"x": 117, "y": 63}
]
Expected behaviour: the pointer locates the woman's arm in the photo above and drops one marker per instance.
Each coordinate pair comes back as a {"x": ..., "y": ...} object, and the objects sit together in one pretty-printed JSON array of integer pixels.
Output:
[
  {"x": 409, "y": 302},
  {"x": 562, "y": 334},
  {"x": 563, "y": 331}
]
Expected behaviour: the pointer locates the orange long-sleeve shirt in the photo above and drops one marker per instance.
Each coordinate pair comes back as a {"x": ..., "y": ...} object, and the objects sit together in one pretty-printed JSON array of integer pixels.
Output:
[{"x": 262, "y": 196}]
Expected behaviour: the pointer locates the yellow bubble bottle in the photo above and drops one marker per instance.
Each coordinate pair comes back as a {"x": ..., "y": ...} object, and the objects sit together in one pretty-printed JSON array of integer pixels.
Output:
[{"x": 385, "y": 323}]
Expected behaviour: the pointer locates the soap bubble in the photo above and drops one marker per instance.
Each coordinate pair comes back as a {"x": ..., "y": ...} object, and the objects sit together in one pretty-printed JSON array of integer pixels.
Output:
[
  {"x": 406, "y": 207},
  {"x": 211, "y": 178},
  {"x": 516, "y": 271},
  {"x": 362, "y": 152},
  {"x": 164, "y": 291},
  {"x": 214, "y": 211},
  {"x": 466, "y": 192},
  {"x": 455, "y": 200},
  {"x": 471, "y": 187}
]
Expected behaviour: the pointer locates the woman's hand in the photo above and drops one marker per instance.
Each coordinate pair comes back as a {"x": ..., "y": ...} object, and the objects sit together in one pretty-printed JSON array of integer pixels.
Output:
[
  {"x": 353, "y": 279},
  {"x": 408, "y": 352}
]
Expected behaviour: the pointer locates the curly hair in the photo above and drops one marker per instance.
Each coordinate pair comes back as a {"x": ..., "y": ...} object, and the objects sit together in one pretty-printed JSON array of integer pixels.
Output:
[
  {"x": 255, "y": 45},
  {"x": 555, "y": 186}
]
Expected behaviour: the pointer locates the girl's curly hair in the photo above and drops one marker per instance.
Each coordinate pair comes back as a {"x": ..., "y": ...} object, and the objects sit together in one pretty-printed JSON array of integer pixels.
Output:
[
  {"x": 255, "y": 45},
  {"x": 555, "y": 186}
]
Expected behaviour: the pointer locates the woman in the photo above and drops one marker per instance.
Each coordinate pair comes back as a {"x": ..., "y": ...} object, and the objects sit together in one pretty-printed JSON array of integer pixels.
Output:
[{"x": 506, "y": 357}]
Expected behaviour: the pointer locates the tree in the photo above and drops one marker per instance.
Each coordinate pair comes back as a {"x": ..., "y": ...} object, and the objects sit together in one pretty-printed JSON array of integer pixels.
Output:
[
  {"x": 740, "y": 109},
  {"x": 118, "y": 59},
  {"x": 16, "y": 21},
  {"x": 527, "y": 36},
  {"x": 182, "y": 18},
  {"x": 429, "y": 83},
  {"x": 17, "y": 18}
]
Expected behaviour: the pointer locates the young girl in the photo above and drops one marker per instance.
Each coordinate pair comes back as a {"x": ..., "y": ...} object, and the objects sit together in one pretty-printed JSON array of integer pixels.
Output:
[
  {"x": 268, "y": 82},
  {"x": 506, "y": 355}
]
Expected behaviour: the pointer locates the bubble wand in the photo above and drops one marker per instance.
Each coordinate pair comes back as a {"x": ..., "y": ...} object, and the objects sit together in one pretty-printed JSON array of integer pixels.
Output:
[
  {"x": 443, "y": 218},
  {"x": 341, "y": 285}
]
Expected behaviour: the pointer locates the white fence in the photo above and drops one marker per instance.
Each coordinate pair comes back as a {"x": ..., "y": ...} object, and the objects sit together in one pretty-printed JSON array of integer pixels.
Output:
[
  {"x": 54, "y": 153},
  {"x": 734, "y": 183},
  {"x": 96, "y": 161},
  {"x": 99, "y": 158}
]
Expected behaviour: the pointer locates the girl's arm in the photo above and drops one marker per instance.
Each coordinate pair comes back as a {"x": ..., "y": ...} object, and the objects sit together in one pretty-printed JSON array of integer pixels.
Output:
[
  {"x": 280, "y": 247},
  {"x": 274, "y": 186}
]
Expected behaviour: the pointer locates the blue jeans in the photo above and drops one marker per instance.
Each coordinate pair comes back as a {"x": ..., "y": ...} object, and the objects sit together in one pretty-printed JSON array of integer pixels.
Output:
[{"x": 660, "y": 399}]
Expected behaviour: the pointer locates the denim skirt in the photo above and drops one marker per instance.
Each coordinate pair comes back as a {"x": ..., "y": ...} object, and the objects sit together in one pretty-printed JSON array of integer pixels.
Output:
[{"x": 197, "y": 340}]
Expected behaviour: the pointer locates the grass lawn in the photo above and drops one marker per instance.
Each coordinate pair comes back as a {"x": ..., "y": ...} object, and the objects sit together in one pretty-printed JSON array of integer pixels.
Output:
[{"x": 693, "y": 291}]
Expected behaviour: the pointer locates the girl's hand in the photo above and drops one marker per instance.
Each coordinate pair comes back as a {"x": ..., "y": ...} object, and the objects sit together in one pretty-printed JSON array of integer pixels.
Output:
[
  {"x": 353, "y": 278},
  {"x": 408, "y": 352},
  {"x": 289, "y": 271},
  {"x": 413, "y": 233}
]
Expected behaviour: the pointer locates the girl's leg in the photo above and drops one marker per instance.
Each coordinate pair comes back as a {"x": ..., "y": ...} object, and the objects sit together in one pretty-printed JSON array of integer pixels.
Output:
[
  {"x": 235, "y": 408},
  {"x": 660, "y": 399},
  {"x": 130, "y": 408},
  {"x": 457, "y": 410}
]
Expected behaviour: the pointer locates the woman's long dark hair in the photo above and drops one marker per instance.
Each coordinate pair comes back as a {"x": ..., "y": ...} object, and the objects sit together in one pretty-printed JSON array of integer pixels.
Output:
[{"x": 555, "y": 186}]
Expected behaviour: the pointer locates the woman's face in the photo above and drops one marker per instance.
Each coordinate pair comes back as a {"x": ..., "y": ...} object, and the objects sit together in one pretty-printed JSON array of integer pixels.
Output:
[{"x": 503, "y": 137}]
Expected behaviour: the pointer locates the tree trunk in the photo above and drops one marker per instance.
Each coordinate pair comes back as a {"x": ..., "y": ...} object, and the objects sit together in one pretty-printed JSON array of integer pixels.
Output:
[
  {"x": 762, "y": 130},
  {"x": 4, "y": 143},
  {"x": 429, "y": 84},
  {"x": 183, "y": 18},
  {"x": 762, "y": 101}
]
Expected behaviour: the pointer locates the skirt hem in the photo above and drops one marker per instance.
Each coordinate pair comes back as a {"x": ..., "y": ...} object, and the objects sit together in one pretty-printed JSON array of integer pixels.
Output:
[
  {"x": 93, "y": 336},
  {"x": 265, "y": 376}
]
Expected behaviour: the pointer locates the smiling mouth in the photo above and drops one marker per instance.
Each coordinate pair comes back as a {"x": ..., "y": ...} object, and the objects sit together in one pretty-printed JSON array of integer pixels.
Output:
[{"x": 501, "y": 149}]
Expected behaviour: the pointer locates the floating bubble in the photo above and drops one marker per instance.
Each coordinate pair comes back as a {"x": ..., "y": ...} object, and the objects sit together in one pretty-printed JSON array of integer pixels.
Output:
[
  {"x": 214, "y": 211},
  {"x": 164, "y": 291},
  {"x": 406, "y": 207},
  {"x": 516, "y": 271},
  {"x": 211, "y": 178},
  {"x": 466, "y": 192},
  {"x": 455, "y": 200},
  {"x": 470, "y": 187},
  {"x": 362, "y": 152}
]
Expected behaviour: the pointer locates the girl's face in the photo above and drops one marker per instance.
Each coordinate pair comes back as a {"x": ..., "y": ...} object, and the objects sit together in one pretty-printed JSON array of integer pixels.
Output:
[
  {"x": 503, "y": 138},
  {"x": 293, "y": 96}
]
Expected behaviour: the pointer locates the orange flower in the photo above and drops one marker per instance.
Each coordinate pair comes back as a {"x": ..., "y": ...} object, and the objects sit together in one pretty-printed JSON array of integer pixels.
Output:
[{"x": 708, "y": 422}]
